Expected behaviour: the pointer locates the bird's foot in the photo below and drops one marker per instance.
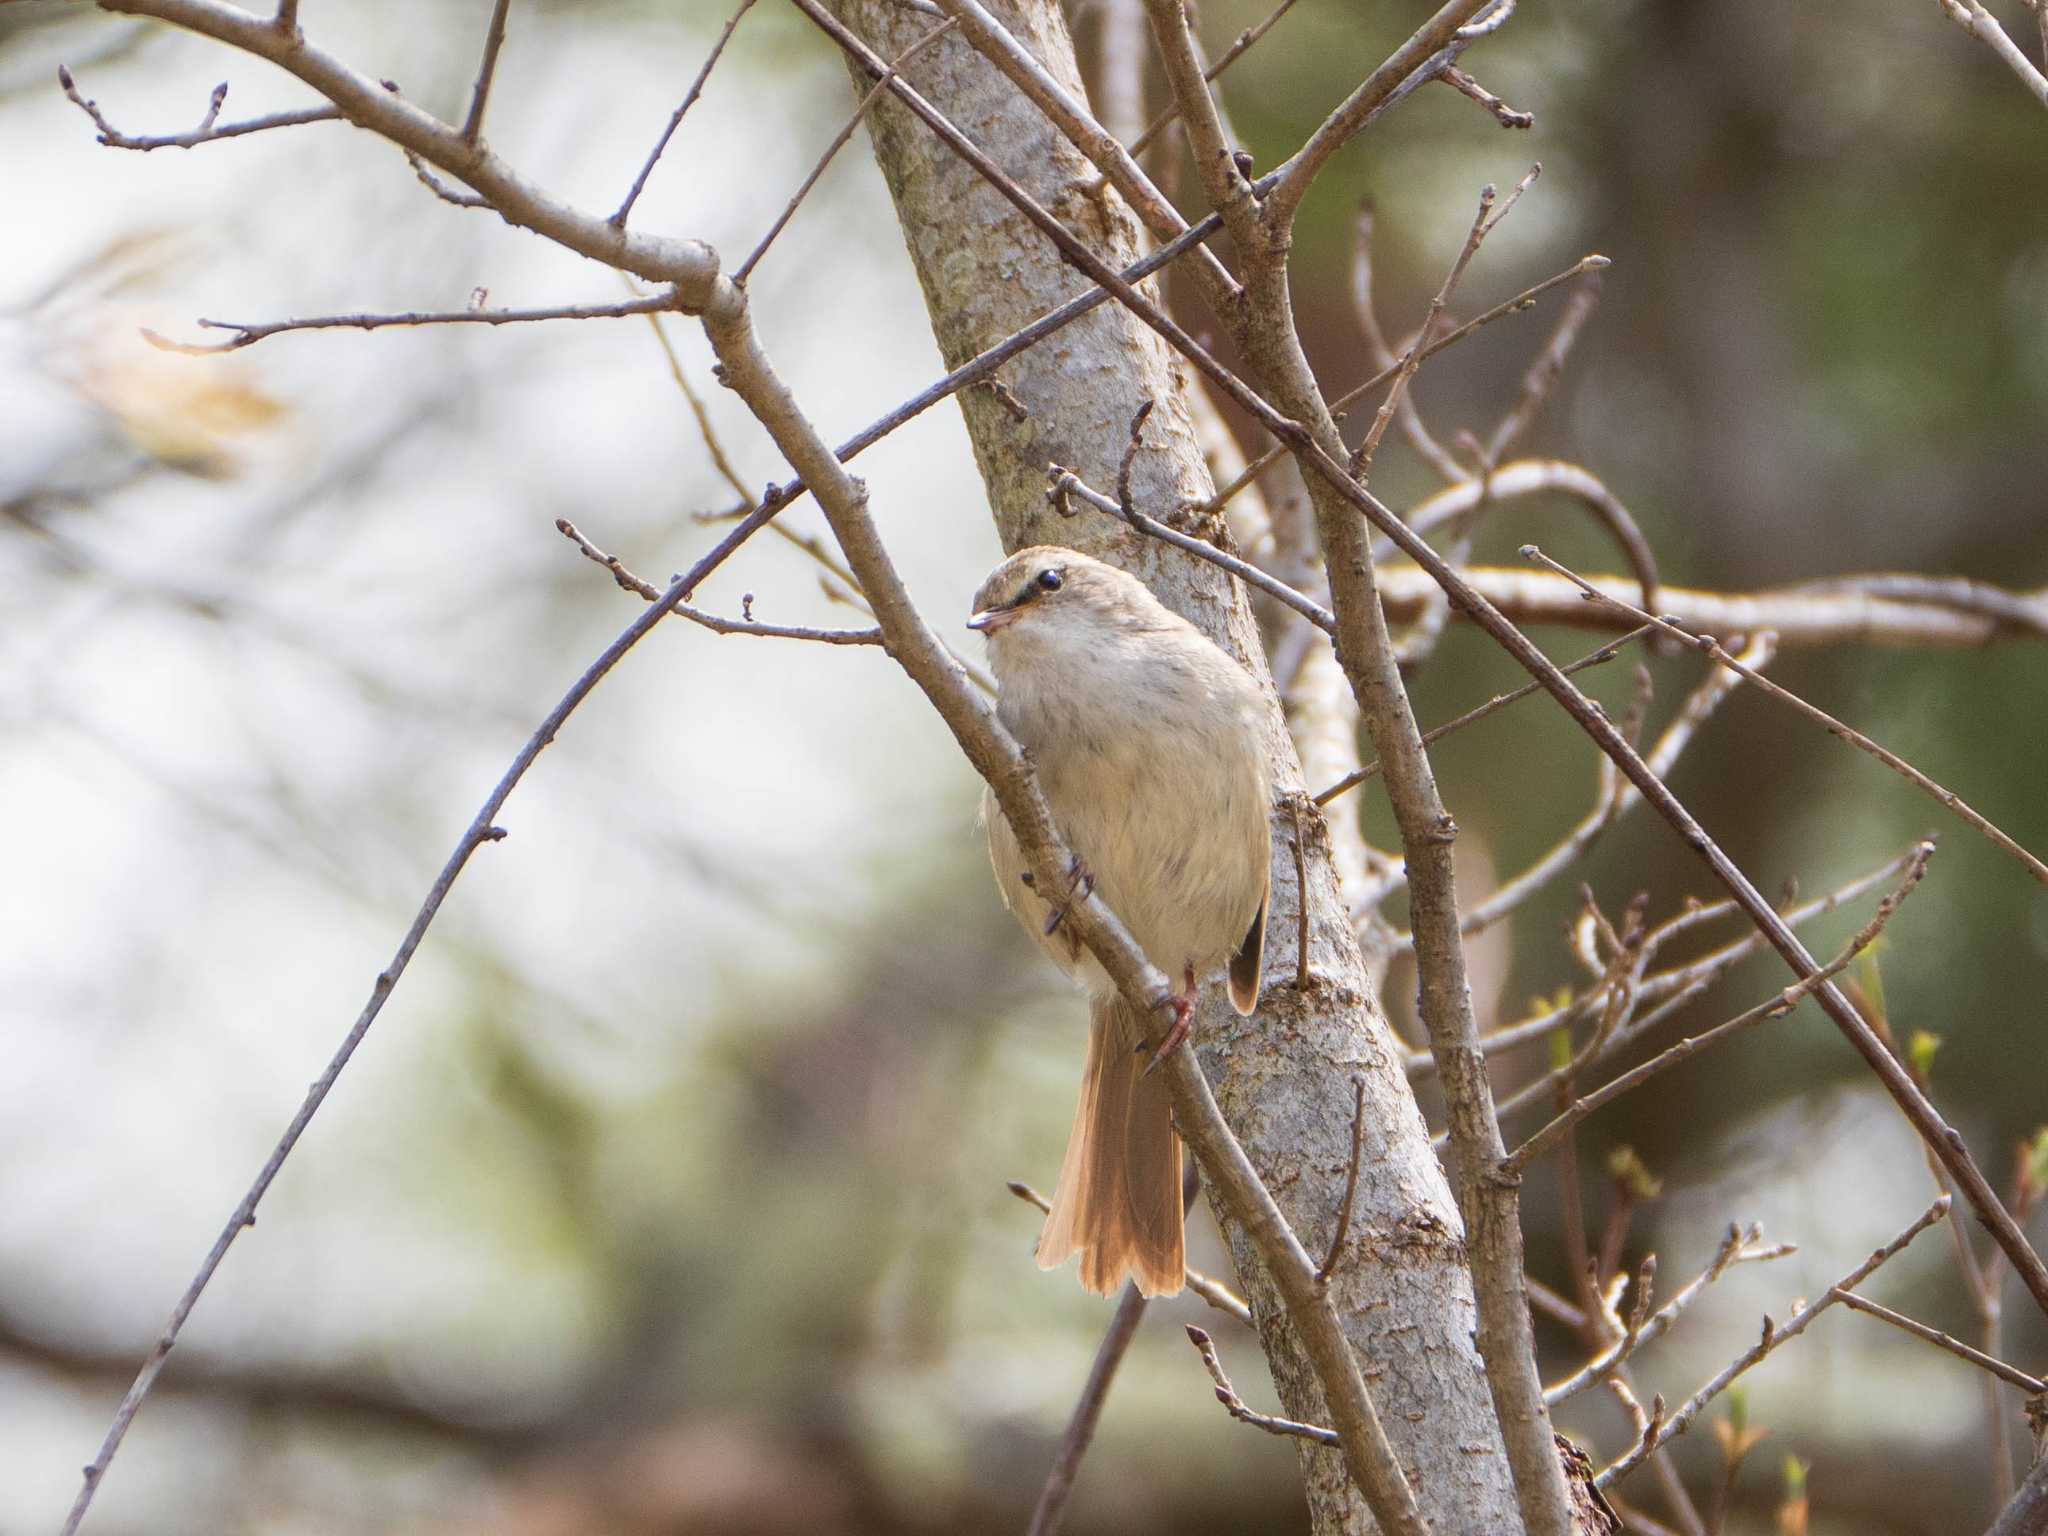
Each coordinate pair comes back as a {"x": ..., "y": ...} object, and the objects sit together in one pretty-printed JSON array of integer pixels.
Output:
[
  {"x": 1080, "y": 883},
  {"x": 1176, "y": 1032}
]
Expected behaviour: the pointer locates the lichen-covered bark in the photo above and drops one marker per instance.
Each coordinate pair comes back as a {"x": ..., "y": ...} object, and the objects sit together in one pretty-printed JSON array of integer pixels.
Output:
[{"x": 1282, "y": 1077}]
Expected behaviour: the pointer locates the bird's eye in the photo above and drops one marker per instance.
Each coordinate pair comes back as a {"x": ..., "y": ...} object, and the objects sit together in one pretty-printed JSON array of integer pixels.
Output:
[{"x": 1050, "y": 580}]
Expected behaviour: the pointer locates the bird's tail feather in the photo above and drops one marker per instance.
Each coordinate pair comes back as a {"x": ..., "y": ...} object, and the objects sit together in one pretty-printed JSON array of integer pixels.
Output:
[{"x": 1118, "y": 1204}]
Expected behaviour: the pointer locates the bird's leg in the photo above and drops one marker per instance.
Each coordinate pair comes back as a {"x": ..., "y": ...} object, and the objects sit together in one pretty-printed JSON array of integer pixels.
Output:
[
  {"x": 1177, "y": 1032},
  {"x": 1080, "y": 882}
]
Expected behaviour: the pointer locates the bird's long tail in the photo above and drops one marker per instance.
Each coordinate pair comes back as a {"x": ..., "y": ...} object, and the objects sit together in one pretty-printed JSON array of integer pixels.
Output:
[{"x": 1119, "y": 1199}]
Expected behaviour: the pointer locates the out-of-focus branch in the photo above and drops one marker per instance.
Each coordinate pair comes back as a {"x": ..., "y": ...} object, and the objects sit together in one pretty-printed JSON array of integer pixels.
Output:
[
  {"x": 481, "y": 830},
  {"x": 1971, "y": 16},
  {"x": 1707, "y": 644},
  {"x": 2033, "y": 1385},
  {"x": 1498, "y": 702},
  {"x": 1116, "y": 1342},
  {"x": 210, "y": 127},
  {"x": 1843, "y": 611}
]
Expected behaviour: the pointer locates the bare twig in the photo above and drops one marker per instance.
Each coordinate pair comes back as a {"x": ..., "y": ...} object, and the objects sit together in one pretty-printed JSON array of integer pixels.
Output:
[
  {"x": 441, "y": 189},
  {"x": 210, "y": 127},
  {"x": 629, "y": 582},
  {"x": 2004, "y": 1372},
  {"x": 1329, "y": 1264},
  {"x": 1665, "y": 1429},
  {"x": 1521, "y": 301},
  {"x": 1065, "y": 483},
  {"x": 1947, "y": 798},
  {"x": 486, "y": 72},
  {"x": 1234, "y": 1405},
  {"x": 1775, "y": 1007},
  {"x": 1498, "y": 702},
  {"x": 1230, "y": 56},
  {"x": 838, "y": 143},
  {"x": 625, "y": 209},
  {"x": 247, "y": 334},
  {"x": 1971, "y": 16},
  {"x": 1434, "y": 46},
  {"x": 1738, "y": 1247},
  {"x": 1504, "y": 114},
  {"x": 1361, "y": 458},
  {"x": 1059, "y": 1483}
]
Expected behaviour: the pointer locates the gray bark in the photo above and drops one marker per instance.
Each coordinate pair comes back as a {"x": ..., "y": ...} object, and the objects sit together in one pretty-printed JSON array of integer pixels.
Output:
[{"x": 1282, "y": 1077}]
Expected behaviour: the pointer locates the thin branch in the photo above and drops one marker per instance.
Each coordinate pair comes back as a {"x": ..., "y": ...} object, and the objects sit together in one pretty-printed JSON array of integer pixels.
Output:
[
  {"x": 486, "y": 71},
  {"x": 838, "y": 143},
  {"x": 625, "y": 209},
  {"x": 1329, "y": 1264},
  {"x": 1366, "y": 312},
  {"x": 1498, "y": 702},
  {"x": 1466, "y": 86},
  {"x": 1775, "y": 1007},
  {"x": 210, "y": 127},
  {"x": 1234, "y": 1405},
  {"x": 442, "y": 189},
  {"x": 1434, "y": 46},
  {"x": 1661, "y": 1430},
  {"x": 2032, "y": 1385},
  {"x": 1738, "y": 1247},
  {"x": 248, "y": 334},
  {"x": 1231, "y": 55},
  {"x": 629, "y": 582},
  {"x": 482, "y": 829},
  {"x": 1971, "y": 16},
  {"x": 1059, "y": 1483},
  {"x": 1947, "y": 798},
  {"x": 1361, "y": 459},
  {"x": 1614, "y": 800},
  {"x": 1521, "y": 301},
  {"x": 1064, "y": 483}
]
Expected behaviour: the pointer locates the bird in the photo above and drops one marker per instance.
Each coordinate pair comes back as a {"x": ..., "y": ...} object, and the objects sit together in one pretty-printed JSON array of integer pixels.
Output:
[{"x": 1148, "y": 742}]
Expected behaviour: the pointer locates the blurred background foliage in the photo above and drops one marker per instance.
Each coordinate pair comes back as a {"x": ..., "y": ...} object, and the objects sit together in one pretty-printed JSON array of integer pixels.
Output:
[{"x": 668, "y": 1193}]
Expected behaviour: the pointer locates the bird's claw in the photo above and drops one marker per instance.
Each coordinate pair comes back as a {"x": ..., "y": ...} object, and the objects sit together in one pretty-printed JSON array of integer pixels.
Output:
[
  {"x": 1080, "y": 885},
  {"x": 1177, "y": 1032}
]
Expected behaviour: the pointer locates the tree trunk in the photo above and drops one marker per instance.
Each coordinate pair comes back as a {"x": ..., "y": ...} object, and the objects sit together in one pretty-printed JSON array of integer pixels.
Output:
[{"x": 1283, "y": 1077}]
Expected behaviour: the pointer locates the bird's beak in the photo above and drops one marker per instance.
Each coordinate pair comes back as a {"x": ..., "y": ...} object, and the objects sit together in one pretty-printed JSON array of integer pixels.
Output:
[{"x": 989, "y": 620}]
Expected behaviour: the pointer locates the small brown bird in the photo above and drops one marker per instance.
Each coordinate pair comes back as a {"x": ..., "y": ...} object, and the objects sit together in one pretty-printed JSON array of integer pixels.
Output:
[{"x": 1148, "y": 744}]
